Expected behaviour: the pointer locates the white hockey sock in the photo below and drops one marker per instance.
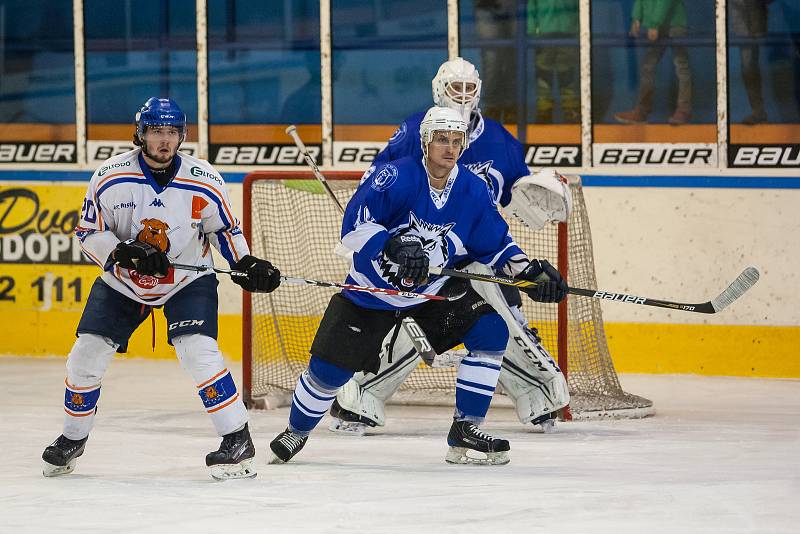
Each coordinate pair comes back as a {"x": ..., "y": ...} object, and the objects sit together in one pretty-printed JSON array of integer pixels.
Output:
[
  {"x": 86, "y": 365},
  {"x": 201, "y": 357}
]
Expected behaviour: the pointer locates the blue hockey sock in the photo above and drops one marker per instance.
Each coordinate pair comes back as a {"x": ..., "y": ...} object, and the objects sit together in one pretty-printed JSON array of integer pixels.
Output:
[
  {"x": 480, "y": 369},
  {"x": 314, "y": 394}
]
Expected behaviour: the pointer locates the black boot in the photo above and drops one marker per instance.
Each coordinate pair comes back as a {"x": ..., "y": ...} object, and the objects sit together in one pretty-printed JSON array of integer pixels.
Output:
[
  {"x": 285, "y": 446},
  {"x": 466, "y": 439},
  {"x": 234, "y": 459},
  {"x": 60, "y": 457}
]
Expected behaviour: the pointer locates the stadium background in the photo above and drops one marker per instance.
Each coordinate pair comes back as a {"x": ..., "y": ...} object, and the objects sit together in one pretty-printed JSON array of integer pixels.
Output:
[{"x": 347, "y": 72}]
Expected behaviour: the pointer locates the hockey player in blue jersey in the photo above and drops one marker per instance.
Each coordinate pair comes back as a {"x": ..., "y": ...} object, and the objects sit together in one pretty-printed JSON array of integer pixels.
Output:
[
  {"x": 405, "y": 216},
  {"x": 144, "y": 210},
  {"x": 529, "y": 374}
]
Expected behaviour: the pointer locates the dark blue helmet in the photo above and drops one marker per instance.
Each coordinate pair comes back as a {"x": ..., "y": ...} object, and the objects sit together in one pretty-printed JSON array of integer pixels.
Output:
[{"x": 159, "y": 112}]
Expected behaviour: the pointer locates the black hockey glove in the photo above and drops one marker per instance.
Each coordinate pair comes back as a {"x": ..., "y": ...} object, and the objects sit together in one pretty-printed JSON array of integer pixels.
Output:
[
  {"x": 407, "y": 252},
  {"x": 143, "y": 257},
  {"x": 550, "y": 287},
  {"x": 261, "y": 277}
]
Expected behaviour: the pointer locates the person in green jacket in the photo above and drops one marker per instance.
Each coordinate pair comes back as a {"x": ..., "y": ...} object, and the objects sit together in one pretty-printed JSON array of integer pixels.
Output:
[
  {"x": 661, "y": 18},
  {"x": 556, "y": 19}
]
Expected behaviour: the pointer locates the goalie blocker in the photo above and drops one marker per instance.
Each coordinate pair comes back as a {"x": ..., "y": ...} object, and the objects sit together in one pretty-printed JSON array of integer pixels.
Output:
[{"x": 529, "y": 375}]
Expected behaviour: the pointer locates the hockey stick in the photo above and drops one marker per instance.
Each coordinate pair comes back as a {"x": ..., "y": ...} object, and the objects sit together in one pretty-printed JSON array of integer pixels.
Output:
[
  {"x": 317, "y": 283},
  {"x": 292, "y": 131},
  {"x": 736, "y": 289}
]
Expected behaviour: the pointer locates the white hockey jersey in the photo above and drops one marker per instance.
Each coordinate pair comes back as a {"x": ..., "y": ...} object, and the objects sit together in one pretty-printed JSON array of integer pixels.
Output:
[{"x": 182, "y": 219}]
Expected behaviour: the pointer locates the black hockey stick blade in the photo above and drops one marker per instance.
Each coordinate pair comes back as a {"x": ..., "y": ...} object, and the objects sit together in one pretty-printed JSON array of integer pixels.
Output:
[
  {"x": 736, "y": 289},
  {"x": 305, "y": 281}
]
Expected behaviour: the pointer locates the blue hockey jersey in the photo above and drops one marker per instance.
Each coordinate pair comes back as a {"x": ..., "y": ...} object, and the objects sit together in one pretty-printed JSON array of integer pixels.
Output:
[
  {"x": 462, "y": 222},
  {"x": 493, "y": 153}
]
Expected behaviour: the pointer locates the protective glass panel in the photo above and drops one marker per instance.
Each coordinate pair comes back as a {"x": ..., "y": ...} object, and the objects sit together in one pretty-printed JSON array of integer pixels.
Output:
[{"x": 37, "y": 81}]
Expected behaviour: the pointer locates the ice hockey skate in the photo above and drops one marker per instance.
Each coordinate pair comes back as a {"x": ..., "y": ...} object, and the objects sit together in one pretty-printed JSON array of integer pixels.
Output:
[
  {"x": 60, "y": 457},
  {"x": 235, "y": 457},
  {"x": 470, "y": 445},
  {"x": 347, "y": 422},
  {"x": 547, "y": 423},
  {"x": 285, "y": 446}
]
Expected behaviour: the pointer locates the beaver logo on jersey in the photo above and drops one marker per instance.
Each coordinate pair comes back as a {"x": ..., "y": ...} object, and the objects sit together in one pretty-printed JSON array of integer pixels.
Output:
[
  {"x": 154, "y": 233},
  {"x": 434, "y": 243}
]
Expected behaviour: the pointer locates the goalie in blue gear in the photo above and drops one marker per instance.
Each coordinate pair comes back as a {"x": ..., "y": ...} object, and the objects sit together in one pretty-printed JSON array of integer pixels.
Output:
[
  {"x": 404, "y": 217},
  {"x": 529, "y": 375}
]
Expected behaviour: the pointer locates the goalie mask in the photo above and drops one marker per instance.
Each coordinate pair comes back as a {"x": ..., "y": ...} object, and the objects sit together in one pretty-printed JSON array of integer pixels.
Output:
[
  {"x": 457, "y": 86},
  {"x": 158, "y": 112},
  {"x": 541, "y": 198},
  {"x": 441, "y": 119}
]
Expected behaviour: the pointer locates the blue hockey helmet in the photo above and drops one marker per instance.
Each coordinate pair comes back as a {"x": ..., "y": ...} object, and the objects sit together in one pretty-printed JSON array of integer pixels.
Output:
[{"x": 159, "y": 112}]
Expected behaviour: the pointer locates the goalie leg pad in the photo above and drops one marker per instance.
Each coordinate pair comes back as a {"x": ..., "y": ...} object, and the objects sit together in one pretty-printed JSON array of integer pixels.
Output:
[
  {"x": 532, "y": 379},
  {"x": 366, "y": 394},
  {"x": 529, "y": 374}
]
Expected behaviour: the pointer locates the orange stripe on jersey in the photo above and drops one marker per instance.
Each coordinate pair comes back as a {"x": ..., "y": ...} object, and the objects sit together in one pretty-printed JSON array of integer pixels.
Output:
[
  {"x": 207, "y": 382},
  {"x": 229, "y": 239},
  {"x": 97, "y": 187},
  {"x": 91, "y": 256},
  {"x": 221, "y": 406}
]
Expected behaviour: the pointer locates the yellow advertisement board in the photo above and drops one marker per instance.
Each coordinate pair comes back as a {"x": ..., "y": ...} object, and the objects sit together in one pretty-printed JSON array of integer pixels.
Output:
[{"x": 45, "y": 279}]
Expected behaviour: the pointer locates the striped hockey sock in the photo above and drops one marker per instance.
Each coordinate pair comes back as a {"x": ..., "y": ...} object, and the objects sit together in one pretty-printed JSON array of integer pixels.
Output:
[
  {"x": 314, "y": 394},
  {"x": 475, "y": 384}
]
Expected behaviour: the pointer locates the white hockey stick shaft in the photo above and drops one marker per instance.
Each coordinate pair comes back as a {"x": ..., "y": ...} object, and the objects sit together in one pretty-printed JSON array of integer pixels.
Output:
[{"x": 292, "y": 131}]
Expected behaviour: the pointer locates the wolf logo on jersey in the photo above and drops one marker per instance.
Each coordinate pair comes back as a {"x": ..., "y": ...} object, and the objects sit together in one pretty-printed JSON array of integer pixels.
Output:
[
  {"x": 482, "y": 170},
  {"x": 434, "y": 243}
]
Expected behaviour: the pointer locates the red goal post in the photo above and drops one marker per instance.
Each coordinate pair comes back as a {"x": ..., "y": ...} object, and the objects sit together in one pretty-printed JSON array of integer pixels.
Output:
[{"x": 290, "y": 221}]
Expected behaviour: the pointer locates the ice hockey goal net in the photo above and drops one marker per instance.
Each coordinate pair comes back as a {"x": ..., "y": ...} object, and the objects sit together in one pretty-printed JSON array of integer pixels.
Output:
[{"x": 289, "y": 220}]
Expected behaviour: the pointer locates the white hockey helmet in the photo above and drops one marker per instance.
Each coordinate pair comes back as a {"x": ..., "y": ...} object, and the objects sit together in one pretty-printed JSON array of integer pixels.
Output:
[
  {"x": 448, "y": 92},
  {"x": 439, "y": 119}
]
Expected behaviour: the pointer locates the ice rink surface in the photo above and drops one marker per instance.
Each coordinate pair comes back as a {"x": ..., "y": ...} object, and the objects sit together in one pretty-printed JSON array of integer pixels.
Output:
[{"x": 721, "y": 455}]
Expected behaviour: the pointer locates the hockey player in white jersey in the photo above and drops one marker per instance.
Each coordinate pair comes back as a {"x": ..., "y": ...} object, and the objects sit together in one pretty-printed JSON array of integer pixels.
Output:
[
  {"x": 407, "y": 215},
  {"x": 529, "y": 376},
  {"x": 143, "y": 211}
]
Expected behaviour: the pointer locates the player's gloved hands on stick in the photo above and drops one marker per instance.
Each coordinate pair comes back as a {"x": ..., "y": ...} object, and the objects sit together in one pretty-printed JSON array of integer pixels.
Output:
[
  {"x": 407, "y": 252},
  {"x": 143, "y": 257},
  {"x": 550, "y": 287},
  {"x": 262, "y": 276}
]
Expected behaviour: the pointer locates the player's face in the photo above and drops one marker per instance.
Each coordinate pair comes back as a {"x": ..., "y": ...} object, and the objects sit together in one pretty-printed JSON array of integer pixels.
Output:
[
  {"x": 443, "y": 151},
  {"x": 462, "y": 92},
  {"x": 162, "y": 143}
]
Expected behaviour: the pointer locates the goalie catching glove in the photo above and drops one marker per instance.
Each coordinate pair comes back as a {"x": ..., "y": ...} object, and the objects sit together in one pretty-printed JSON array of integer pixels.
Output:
[
  {"x": 145, "y": 258},
  {"x": 406, "y": 251},
  {"x": 261, "y": 277},
  {"x": 550, "y": 287}
]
